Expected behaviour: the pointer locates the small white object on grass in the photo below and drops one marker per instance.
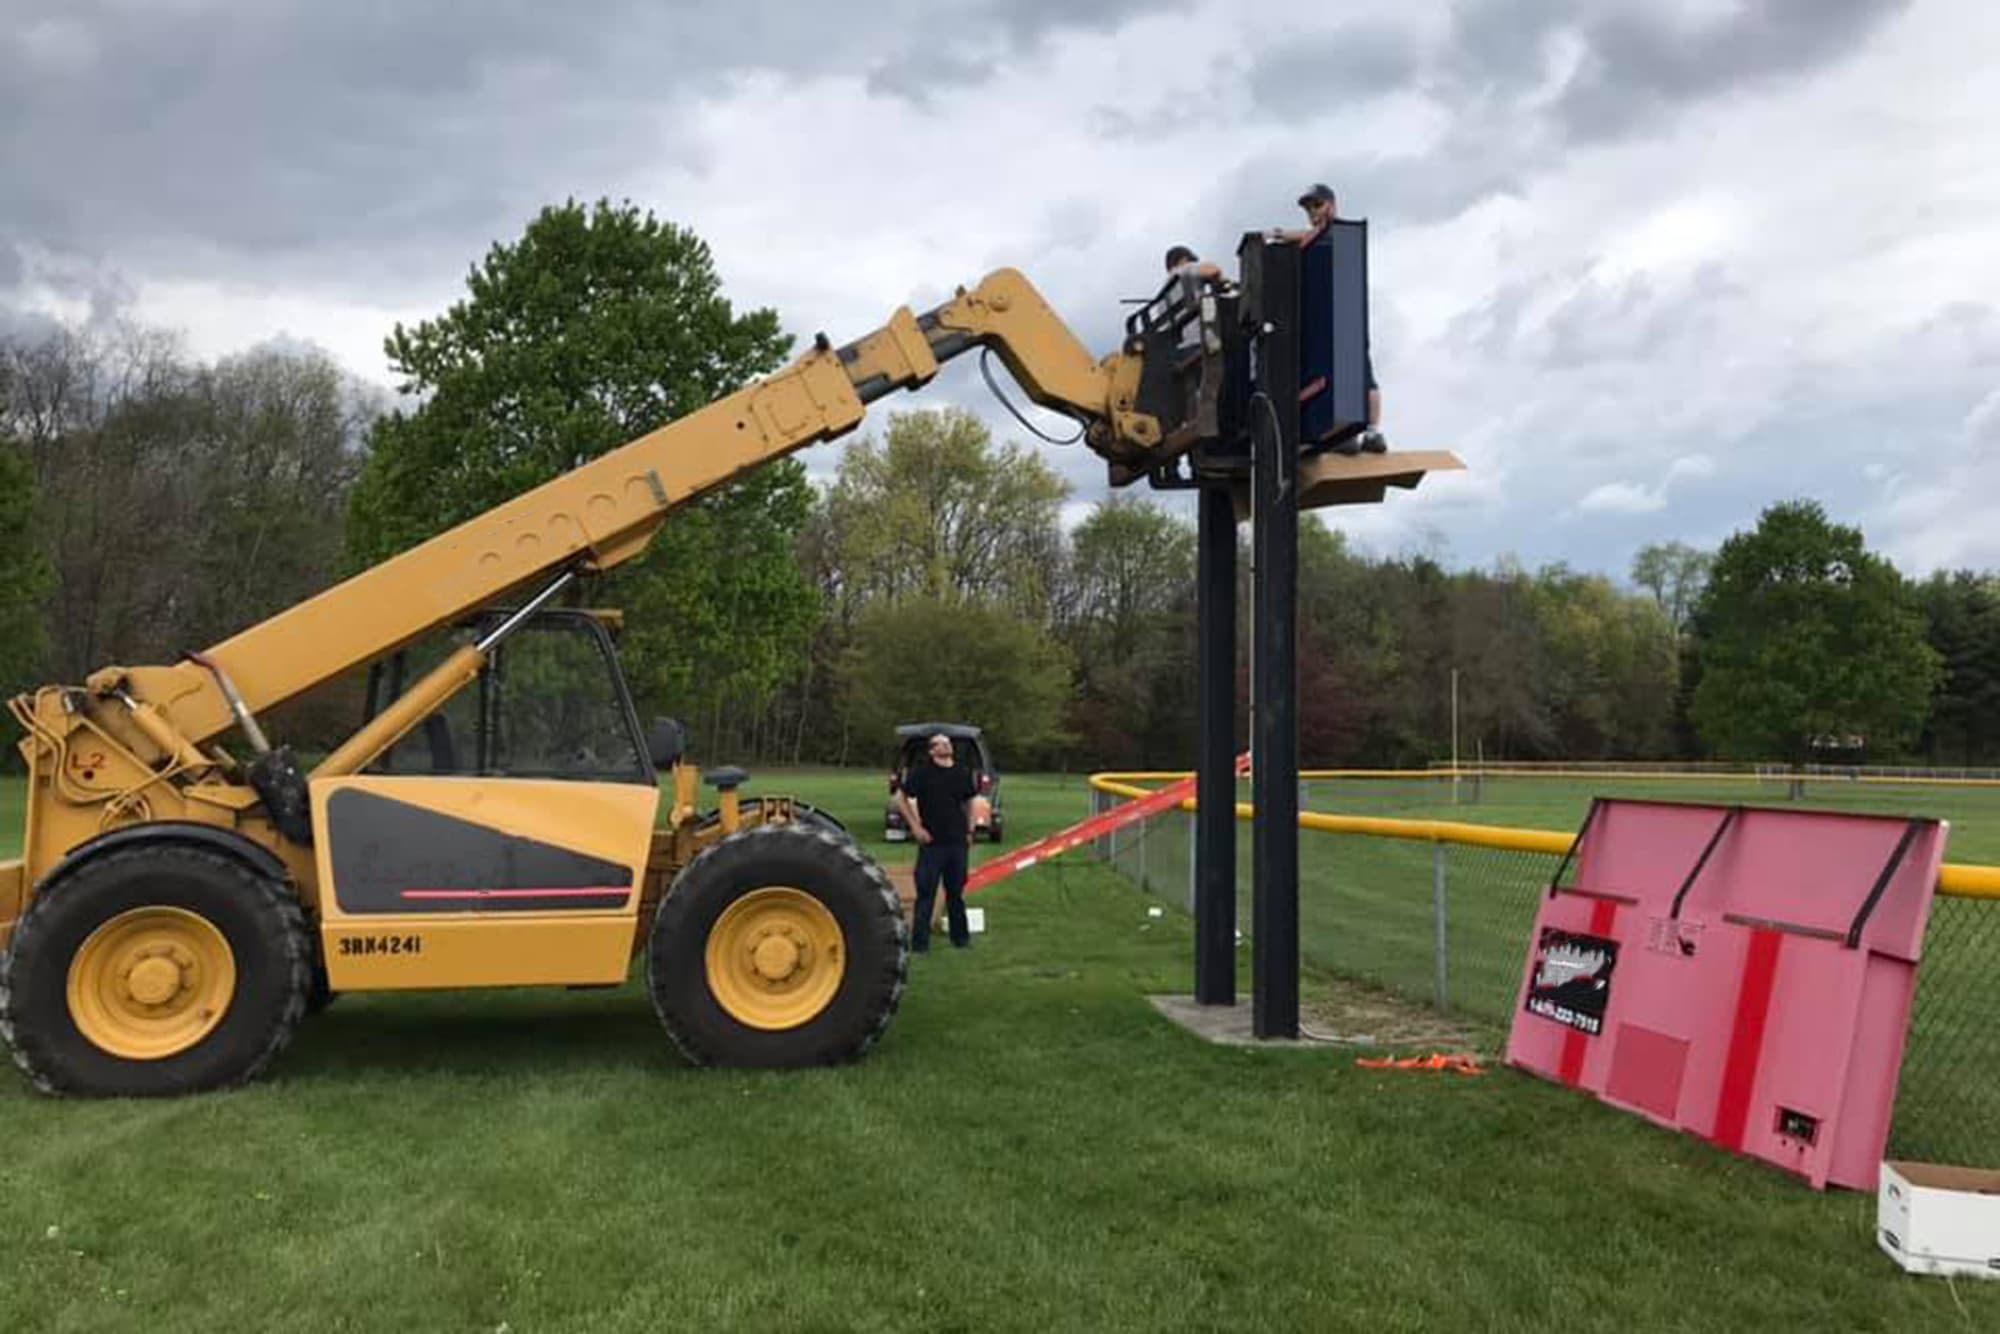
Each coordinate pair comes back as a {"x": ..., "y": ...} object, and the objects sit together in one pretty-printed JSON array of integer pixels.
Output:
[{"x": 1156, "y": 912}]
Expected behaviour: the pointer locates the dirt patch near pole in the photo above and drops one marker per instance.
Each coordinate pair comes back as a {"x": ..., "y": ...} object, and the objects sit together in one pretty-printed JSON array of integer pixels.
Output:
[
  {"x": 1338, "y": 1014},
  {"x": 1362, "y": 1016}
]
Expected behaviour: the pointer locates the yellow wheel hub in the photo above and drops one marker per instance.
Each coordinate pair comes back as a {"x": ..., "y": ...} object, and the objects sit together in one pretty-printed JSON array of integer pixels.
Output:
[
  {"x": 775, "y": 958},
  {"x": 151, "y": 983}
]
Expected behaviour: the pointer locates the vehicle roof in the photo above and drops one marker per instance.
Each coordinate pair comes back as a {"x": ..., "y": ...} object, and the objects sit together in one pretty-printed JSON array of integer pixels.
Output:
[{"x": 952, "y": 730}]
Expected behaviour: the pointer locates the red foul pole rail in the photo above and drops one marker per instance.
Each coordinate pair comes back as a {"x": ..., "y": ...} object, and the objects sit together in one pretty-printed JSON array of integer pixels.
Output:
[{"x": 1087, "y": 831}]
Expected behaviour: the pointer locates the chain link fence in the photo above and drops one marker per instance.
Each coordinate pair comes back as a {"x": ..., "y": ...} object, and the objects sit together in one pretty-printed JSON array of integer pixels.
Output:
[
  {"x": 1948, "y": 1105},
  {"x": 1447, "y": 925}
]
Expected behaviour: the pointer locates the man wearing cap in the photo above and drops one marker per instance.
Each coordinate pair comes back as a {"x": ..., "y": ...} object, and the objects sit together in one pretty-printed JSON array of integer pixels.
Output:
[
  {"x": 934, "y": 797},
  {"x": 1321, "y": 209}
]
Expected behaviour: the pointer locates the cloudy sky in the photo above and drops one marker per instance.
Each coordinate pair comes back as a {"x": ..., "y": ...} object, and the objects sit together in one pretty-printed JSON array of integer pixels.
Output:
[{"x": 1647, "y": 266}]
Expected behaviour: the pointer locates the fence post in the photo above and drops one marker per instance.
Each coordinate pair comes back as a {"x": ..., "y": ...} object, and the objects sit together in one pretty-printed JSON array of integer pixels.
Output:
[
  {"x": 1142, "y": 827},
  {"x": 1438, "y": 911},
  {"x": 1192, "y": 862}
]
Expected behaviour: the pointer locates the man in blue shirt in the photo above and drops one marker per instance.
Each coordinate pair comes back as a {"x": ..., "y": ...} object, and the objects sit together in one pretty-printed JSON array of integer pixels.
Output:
[{"x": 1322, "y": 207}]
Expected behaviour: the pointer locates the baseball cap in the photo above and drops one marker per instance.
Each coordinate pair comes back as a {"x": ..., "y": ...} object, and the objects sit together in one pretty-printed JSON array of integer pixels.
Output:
[{"x": 1314, "y": 195}]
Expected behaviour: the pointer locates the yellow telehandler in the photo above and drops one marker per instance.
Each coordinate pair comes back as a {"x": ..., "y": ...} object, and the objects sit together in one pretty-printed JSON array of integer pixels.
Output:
[{"x": 179, "y": 906}]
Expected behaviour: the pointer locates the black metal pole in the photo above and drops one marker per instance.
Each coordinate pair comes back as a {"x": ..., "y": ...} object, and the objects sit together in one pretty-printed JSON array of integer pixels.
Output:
[
  {"x": 1274, "y": 429},
  {"x": 1215, "y": 769}
]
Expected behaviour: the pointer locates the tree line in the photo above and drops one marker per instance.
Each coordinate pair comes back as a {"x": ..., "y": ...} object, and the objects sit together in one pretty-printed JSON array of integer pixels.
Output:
[{"x": 151, "y": 503}]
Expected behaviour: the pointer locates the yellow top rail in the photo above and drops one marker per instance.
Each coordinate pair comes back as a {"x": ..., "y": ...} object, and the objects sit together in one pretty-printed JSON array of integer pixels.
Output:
[
  {"x": 1605, "y": 776},
  {"x": 1963, "y": 880},
  {"x": 1640, "y": 776}
]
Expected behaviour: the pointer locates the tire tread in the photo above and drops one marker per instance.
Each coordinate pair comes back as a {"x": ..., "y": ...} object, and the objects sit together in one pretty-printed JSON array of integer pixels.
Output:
[
  {"x": 750, "y": 846},
  {"x": 29, "y": 1045}
]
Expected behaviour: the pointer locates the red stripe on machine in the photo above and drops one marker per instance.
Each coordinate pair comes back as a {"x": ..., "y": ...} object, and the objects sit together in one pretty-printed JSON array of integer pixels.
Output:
[
  {"x": 588, "y": 892},
  {"x": 1746, "y": 1039},
  {"x": 1576, "y": 1042}
]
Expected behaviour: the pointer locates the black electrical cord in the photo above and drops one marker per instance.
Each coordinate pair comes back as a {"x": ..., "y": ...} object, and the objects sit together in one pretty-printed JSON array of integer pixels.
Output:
[
  {"x": 984, "y": 369},
  {"x": 1271, "y": 414}
]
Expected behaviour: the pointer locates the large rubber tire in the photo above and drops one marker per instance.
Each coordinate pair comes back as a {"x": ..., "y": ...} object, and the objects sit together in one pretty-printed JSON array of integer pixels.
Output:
[
  {"x": 848, "y": 884},
  {"x": 819, "y": 819},
  {"x": 802, "y": 813},
  {"x": 255, "y": 914}
]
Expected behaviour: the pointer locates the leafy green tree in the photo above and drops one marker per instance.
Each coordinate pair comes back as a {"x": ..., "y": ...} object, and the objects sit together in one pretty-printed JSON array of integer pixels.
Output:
[
  {"x": 1674, "y": 573},
  {"x": 176, "y": 502},
  {"x": 271, "y": 461},
  {"x": 721, "y": 613},
  {"x": 933, "y": 658},
  {"x": 1359, "y": 648},
  {"x": 108, "y": 418},
  {"x": 1129, "y": 560},
  {"x": 595, "y": 327},
  {"x": 1962, "y": 609},
  {"x": 934, "y": 510},
  {"x": 1127, "y": 616},
  {"x": 1611, "y": 665},
  {"x": 931, "y": 511},
  {"x": 1505, "y": 666},
  {"x": 24, "y": 573},
  {"x": 1808, "y": 640}
]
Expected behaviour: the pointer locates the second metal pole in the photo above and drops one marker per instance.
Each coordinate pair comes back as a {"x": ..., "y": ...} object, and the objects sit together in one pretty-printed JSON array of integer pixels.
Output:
[
  {"x": 1275, "y": 749},
  {"x": 1215, "y": 771}
]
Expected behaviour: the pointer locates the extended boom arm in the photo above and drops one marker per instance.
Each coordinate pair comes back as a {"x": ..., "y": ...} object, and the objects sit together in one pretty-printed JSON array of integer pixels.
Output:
[{"x": 606, "y": 512}]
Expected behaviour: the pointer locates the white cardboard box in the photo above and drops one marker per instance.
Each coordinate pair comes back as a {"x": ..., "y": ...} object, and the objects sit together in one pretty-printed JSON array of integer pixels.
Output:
[{"x": 1933, "y": 1219}]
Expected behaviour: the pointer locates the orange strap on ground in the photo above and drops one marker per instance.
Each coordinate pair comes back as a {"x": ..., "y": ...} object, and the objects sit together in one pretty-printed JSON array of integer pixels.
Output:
[{"x": 1436, "y": 1061}]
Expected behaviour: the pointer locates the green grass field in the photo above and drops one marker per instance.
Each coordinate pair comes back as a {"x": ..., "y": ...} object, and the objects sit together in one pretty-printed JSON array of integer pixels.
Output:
[{"x": 1030, "y": 1148}]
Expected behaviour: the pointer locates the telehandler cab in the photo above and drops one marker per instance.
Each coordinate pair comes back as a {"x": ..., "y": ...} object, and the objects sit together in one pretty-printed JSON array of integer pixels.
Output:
[{"x": 495, "y": 822}]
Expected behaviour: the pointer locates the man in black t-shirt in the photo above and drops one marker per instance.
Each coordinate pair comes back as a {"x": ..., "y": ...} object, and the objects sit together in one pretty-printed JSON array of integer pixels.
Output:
[{"x": 933, "y": 797}]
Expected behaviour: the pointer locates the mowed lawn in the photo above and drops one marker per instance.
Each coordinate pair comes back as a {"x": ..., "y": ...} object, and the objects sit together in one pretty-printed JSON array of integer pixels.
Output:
[{"x": 1029, "y": 1148}]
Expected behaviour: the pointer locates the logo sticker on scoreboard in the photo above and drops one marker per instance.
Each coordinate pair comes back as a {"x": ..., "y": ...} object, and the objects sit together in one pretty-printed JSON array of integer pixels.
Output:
[{"x": 1572, "y": 981}]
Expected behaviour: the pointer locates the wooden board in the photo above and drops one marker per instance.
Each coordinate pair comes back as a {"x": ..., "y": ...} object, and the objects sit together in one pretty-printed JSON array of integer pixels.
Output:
[{"x": 1358, "y": 479}]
